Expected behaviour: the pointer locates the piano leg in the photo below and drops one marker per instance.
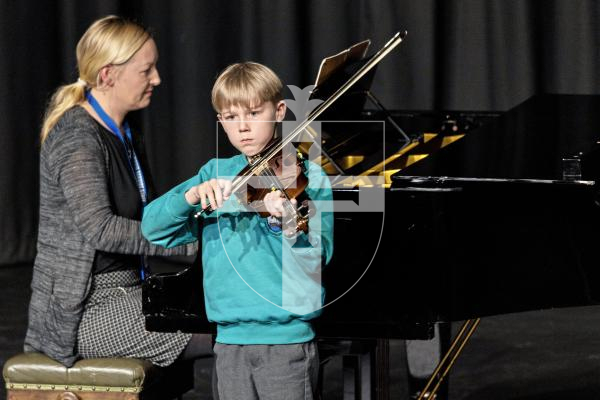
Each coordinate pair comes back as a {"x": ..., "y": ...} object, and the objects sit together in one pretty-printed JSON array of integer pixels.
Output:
[
  {"x": 382, "y": 369},
  {"x": 366, "y": 370},
  {"x": 365, "y": 367},
  {"x": 366, "y": 364},
  {"x": 357, "y": 374}
]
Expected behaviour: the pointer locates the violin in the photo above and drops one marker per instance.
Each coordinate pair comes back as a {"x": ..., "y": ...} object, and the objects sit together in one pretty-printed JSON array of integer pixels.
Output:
[
  {"x": 277, "y": 156},
  {"x": 285, "y": 173}
]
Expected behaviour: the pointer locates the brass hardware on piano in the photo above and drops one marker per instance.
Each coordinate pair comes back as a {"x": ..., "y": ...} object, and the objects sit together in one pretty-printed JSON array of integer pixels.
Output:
[{"x": 443, "y": 369}]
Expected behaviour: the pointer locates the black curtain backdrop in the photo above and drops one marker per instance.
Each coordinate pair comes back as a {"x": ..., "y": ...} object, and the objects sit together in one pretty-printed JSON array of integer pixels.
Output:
[{"x": 458, "y": 55}]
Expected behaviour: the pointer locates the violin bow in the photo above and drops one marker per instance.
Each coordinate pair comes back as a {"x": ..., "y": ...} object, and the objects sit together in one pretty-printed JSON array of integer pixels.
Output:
[{"x": 240, "y": 180}]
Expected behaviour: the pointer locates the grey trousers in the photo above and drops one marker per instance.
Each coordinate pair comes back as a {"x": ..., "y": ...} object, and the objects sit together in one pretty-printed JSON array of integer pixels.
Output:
[{"x": 265, "y": 372}]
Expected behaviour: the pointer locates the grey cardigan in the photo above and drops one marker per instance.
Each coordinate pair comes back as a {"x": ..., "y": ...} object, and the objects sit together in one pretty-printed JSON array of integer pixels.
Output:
[{"x": 75, "y": 220}]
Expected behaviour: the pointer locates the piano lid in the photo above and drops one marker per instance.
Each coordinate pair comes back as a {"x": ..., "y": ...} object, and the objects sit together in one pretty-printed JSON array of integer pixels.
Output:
[{"x": 528, "y": 141}]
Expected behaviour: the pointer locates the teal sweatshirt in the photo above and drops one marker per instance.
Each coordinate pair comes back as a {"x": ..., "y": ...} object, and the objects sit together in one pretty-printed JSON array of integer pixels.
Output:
[{"x": 260, "y": 286}]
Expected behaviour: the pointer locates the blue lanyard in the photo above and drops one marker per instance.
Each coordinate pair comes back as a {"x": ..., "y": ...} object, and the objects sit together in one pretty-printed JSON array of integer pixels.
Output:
[
  {"x": 132, "y": 159},
  {"x": 134, "y": 164},
  {"x": 107, "y": 119}
]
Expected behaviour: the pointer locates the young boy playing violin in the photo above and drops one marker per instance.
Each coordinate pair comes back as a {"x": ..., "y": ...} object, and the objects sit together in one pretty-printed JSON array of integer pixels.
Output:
[{"x": 261, "y": 279}]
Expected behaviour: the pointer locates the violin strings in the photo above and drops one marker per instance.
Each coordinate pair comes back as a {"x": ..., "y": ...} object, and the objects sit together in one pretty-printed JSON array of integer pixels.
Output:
[{"x": 277, "y": 184}]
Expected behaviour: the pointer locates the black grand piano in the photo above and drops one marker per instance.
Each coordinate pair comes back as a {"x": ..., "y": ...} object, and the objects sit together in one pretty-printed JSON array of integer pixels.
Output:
[
  {"x": 485, "y": 213},
  {"x": 484, "y": 225}
]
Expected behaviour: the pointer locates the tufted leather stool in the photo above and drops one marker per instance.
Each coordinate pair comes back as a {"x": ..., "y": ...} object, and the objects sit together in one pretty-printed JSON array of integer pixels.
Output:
[{"x": 36, "y": 376}]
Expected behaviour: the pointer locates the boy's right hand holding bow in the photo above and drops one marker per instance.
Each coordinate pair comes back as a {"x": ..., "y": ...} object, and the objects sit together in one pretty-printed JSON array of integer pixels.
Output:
[{"x": 212, "y": 193}]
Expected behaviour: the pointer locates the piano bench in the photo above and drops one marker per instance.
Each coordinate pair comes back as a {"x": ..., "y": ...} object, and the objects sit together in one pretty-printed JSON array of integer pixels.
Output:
[{"x": 36, "y": 376}]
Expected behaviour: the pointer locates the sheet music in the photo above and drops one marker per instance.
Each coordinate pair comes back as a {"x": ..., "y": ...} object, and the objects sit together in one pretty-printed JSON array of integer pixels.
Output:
[{"x": 332, "y": 63}]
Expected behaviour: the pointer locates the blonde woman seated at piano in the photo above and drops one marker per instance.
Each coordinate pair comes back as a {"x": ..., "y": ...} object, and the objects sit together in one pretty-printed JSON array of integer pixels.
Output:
[
  {"x": 86, "y": 293},
  {"x": 261, "y": 274}
]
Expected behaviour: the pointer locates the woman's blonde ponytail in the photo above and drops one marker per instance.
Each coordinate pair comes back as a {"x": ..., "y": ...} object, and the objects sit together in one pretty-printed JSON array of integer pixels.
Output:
[{"x": 64, "y": 98}]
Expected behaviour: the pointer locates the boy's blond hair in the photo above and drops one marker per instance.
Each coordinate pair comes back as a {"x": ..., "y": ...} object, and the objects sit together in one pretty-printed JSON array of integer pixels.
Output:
[{"x": 246, "y": 84}]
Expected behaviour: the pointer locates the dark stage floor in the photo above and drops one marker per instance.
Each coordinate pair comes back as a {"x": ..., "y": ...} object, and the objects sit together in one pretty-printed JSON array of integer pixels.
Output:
[{"x": 550, "y": 355}]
